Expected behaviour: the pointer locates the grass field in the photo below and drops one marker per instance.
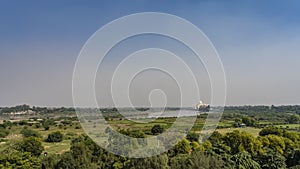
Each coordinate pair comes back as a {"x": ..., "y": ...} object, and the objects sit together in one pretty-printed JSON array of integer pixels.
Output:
[
  {"x": 71, "y": 131},
  {"x": 290, "y": 126},
  {"x": 251, "y": 130},
  {"x": 57, "y": 148}
]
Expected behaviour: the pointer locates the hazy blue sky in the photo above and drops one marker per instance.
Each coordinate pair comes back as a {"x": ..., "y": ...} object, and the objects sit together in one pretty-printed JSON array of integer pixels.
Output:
[{"x": 258, "y": 42}]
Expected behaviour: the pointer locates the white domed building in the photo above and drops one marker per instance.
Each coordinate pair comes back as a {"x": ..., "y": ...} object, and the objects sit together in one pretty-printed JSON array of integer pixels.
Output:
[{"x": 202, "y": 107}]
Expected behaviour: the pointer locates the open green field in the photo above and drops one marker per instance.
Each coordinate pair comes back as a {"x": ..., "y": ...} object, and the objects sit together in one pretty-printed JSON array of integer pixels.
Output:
[
  {"x": 57, "y": 148},
  {"x": 73, "y": 129},
  {"x": 251, "y": 130},
  {"x": 289, "y": 126},
  {"x": 32, "y": 137},
  {"x": 69, "y": 132}
]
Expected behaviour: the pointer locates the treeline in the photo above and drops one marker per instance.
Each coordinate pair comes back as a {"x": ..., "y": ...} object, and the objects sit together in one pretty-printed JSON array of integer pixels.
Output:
[
  {"x": 261, "y": 116},
  {"x": 24, "y": 107},
  {"x": 241, "y": 109},
  {"x": 274, "y": 148}
]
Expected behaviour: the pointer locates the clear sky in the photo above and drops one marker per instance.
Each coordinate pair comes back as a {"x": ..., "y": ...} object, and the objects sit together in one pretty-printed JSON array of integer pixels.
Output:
[{"x": 258, "y": 43}]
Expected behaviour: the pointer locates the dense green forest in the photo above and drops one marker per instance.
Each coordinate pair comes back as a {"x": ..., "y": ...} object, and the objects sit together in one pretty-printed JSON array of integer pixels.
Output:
[{"x": 270, "y": 140}]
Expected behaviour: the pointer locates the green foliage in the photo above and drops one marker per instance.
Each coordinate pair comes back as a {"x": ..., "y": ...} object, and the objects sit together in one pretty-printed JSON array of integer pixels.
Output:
[
  {"x": 215, "y": 138},
  {"x": 3, "y": 132},
  {"x": 82, "y": 154},
  {"x": 66, "y": 122},
  {"x": 37, "y": 125},
  {"x": 19, "y": 160},
  {"x": 293, "y": 159},
  {"x": 183, "y": 147},
  {"x": 293, "y": 119},
  {"x": 181, "y": 161},
  {"x": 66, "y": 161},
  {"x": 271, "y": 130},
  {"x": 47, "y": 123},
  {"x": 6, "y": 124},
  {"x": 192, "y": 137},
  {"x": 23, "y": 122},
  {"x": 207, "y": 145},
  {"x": 248, "y": 121},
  {"x": 50, "y": 161},
  {"x": 276, "y": 143},
  {"x": 157, "y": 129},
  {"x": 55, "y": 137},
  {"x": 244, "y": 160},
  {"x": 274, "y": 148},
  {"x": 157, "y": 162},
  {"x": 18, "y": 108},
  {"x": 46, "y": 127},
  {"x": 197, "y": 159},
  {"x": 30, "y": 133},
  {"x": 271, "y": 160},
  {"x": 32, "y": 145},
  {"x": 135, "y": 134},
  {"x": 295, "y": 137},
  {"x": 242, "y": 141},
  {"x": 197, "y": 147}
]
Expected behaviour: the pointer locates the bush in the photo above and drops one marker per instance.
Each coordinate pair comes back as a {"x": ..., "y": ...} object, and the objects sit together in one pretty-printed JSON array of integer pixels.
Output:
[
  {"x": 55, "y": 137},
  {"x": 192, "y": 137},
  {"x": 47, "y": 127},
  {"x": 157, "y": 129},
  {"x": 37, "y": 125},
  {"x": 3, "y": 132},
  {"x": 30, "y": 133},
  {"x": 32, "y": 145},
  {"x": 271, "y": 130},
  {"x": 23, "y": 122}
]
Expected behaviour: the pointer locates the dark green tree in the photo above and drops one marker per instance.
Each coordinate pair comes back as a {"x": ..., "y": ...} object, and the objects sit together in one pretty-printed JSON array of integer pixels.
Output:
[
  {"x": 157, "y": 162},
  {"x": 271, "y": 160},
  {"x": 244, "y": 160},
  {"x": 192, "y": 137},
  {"x": 30, "y": 133},
  {"x": 55, "y": 137},
  {"x": 157, "y": 129},
  {"x": 19, "y": 160},
  {"x": 50, "y": 161},
  {"x": 183, "y": 147},
  {"x": 242, "y": 141},
  {"x": 271, "y": 130},
  {"x": 32, "y": 145},
  {"x": 66, "y": 161},
  {"x": 293, "y": 159},
  {"x": 248, "y": 121}
]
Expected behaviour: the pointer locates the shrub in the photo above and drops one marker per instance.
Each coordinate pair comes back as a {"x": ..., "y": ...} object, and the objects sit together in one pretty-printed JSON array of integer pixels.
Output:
[
  {"x": 23, "y": 122},
  {"x": 30, "y": 133},
  {"x": 47, "y": 127},
  {"x": 32, "y": 145},
  {"x": 37, "y": 125},
  {"x": 55, "y": 137},
  {"x": 192, "y": 137},
  {"x": 157, "y": 129},
  {"x": 3, "y": 132},
  {"x": 271, "y": 130}
]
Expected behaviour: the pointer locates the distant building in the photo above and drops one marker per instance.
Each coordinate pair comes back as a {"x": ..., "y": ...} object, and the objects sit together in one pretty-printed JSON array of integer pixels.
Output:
[{"x": 202, "y": 107}]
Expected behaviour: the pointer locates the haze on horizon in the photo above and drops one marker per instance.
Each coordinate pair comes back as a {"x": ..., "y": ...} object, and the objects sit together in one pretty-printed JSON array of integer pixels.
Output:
[{"x": 257, "y": 41}]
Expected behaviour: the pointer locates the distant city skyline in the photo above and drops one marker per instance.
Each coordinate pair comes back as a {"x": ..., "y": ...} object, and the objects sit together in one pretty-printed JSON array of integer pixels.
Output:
[{"x": 257, "y": 41}]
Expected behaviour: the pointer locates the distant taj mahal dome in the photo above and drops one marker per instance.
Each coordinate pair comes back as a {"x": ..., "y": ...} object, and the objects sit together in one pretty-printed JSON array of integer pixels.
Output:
[{"x": 201, "y": 106}]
